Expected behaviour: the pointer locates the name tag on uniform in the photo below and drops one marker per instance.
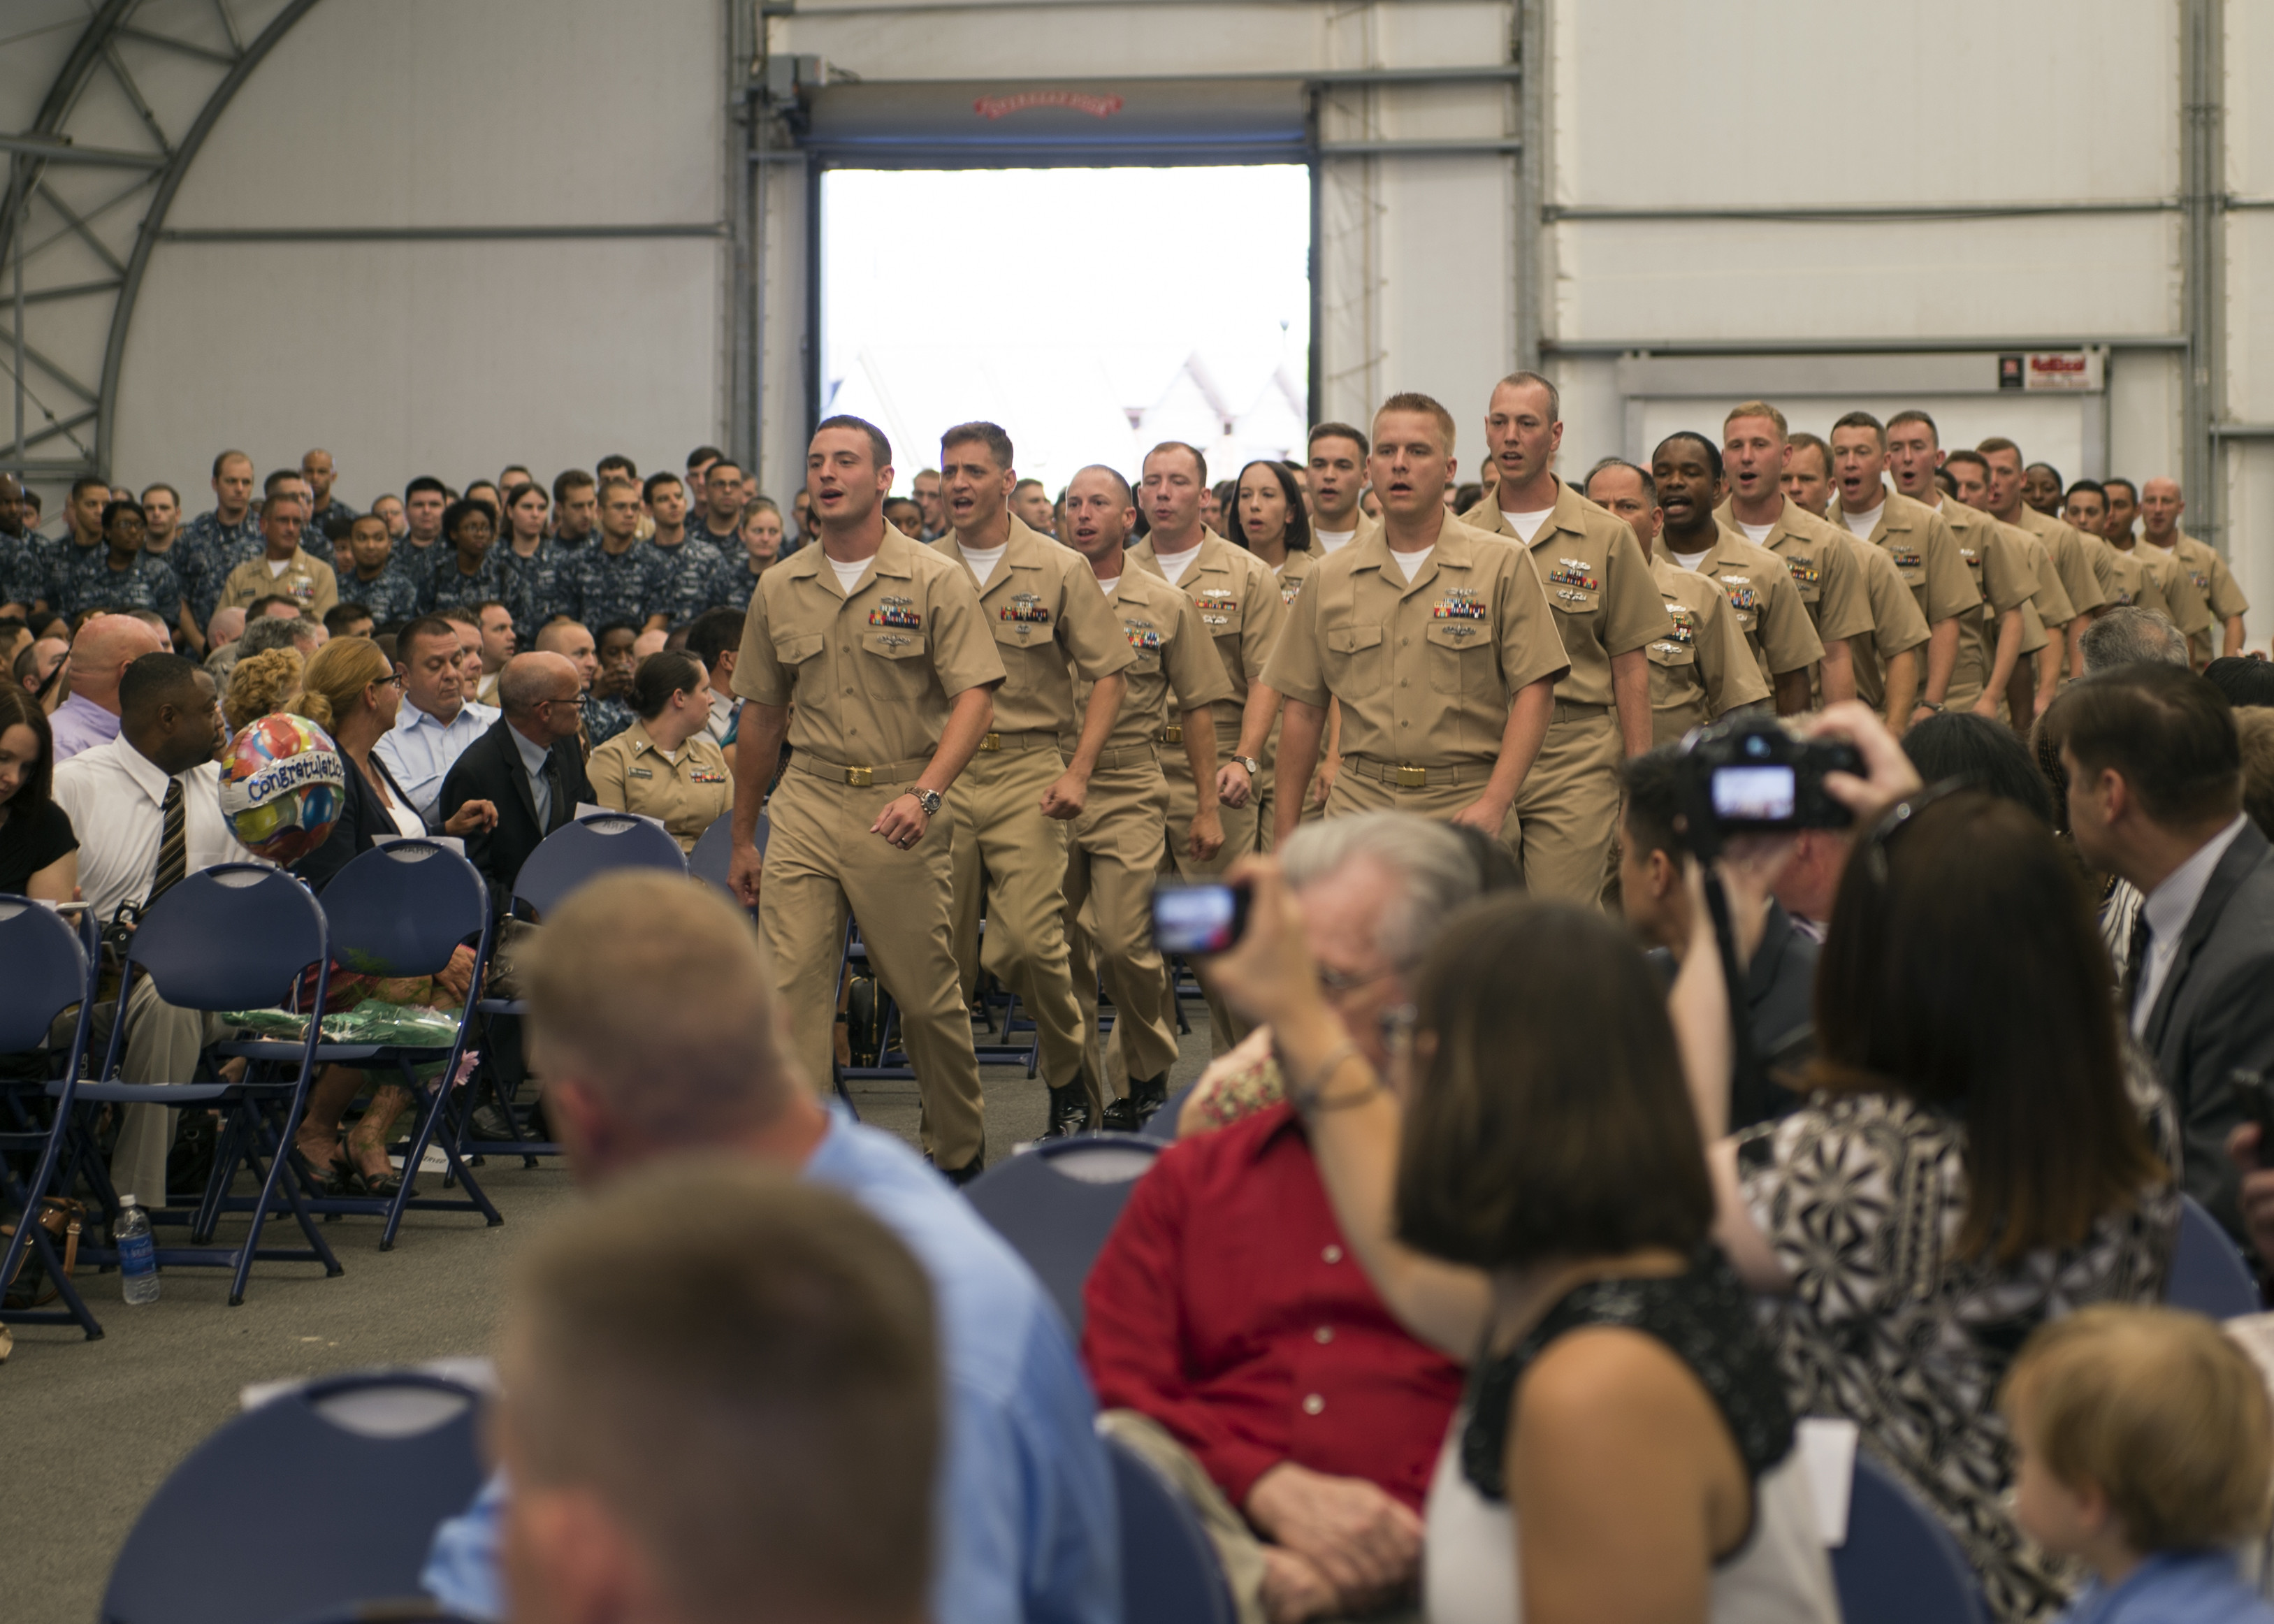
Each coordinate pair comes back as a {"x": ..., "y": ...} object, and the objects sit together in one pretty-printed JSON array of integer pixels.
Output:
[
  {"x": 638, "y": 773},
  {"x": 1026, "y": 610},
  {"x": 1142, "y": 635},
  {"x": 1572, "y": 572},
  {"x": 900, "y": 612},
  {"x": 1459, "y": 603}
]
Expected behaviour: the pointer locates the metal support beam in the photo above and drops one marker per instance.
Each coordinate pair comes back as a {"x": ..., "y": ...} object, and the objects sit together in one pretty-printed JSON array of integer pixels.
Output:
[
  {"x": 436, "y": 234},
  {"x": 2203, "y": 258},
  {"x": 1856, "y": 346},
  {"x": 1532, "y": 277},
  {"x": 55, "y": 151},
  {"x": 1868, "y": 212},
  {"x": 166, "y": 42},
  {"x": 1420, "y": 149}
]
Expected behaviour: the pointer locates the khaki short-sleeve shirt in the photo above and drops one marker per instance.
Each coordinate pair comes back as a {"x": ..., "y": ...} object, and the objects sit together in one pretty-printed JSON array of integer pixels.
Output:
[
  {"x": 1759, "y": 587},
  {"x": 2051, "y": 599},
  {"x": 1701, "y": 666},
  {"x": 1241, "y": 607},
  {"x": 1049, "y": 624},
  {"x": 2190, "y": 607},
  {"x": 1900, "y": 625},
  {"x": 1925, "y": 553},
  {"x": 1825, "y": 569},
  {"x": 1294, "y": 572},
  {"x": 1998, "y": 561},
  {"x": 1169, "y": 658},
  {"x": 308, "y": 582},
  {"x": 629, "y": 773},
  {"x": 871, "y": 674},
  {"x": 2072, "y": 556},
  {"x": 2212, "y": 579},
  {"x": 1598, "y": 584},
  {"x": 1425, "y": 670}
]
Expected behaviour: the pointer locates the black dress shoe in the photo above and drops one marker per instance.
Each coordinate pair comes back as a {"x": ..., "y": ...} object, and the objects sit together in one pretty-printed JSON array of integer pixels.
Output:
[
  {"x": 1069, "y": 1112},
  {"x": 969, "y": 1171},
  {"x": 1131, "y": 1112},
  {"x": 490, "y": 1123}
]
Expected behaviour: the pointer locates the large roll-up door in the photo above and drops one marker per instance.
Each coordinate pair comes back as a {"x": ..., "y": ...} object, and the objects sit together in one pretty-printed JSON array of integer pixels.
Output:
[{"x": 1043, "y": 125}]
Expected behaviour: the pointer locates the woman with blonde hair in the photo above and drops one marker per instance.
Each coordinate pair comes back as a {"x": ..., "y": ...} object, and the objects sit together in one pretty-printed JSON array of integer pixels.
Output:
[
  {"x": 352, "y": 691},
  {"x": 261, "y": 685}
]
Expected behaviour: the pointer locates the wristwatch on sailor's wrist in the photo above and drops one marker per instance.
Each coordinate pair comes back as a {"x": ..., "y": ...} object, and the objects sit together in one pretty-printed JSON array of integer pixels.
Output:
[
  {"x": 1254, "y": 766},
  {"x": 928, "y": 798}
]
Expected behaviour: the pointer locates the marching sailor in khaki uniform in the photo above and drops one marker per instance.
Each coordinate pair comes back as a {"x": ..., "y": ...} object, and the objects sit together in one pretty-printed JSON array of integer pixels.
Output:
[
  {"x": 1916, "y": 538},
  {"x": 1699, "y": 666},
  {"x": 1437, "y": 641},
  {"x": 2161, "y": 504},
  {"x": 2077, "y": 558},
  {"x": 1115, "y": 854},
  {"x": 1607, "y": 609},
  {"x": 1013, "y": 802},
  {"x": 1239, "y": 604},
  {"x": 867, "y": 655},
  {"x": 1337, "y": 481}
]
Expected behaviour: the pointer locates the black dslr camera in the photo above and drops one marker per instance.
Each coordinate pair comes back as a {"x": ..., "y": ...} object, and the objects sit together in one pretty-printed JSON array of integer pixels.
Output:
[{"x": 1747, "y": 774}]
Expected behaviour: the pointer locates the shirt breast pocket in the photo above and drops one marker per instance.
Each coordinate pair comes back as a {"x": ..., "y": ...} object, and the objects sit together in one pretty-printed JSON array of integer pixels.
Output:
[
  {"x": 894, "y": 645},
  {"x": 1353, "y": 658},
  {"x": 1460, "y": 656},
  {"x": 1220, "y": 614},
  {"x": 1022, "y": 635},
  {"x": 1674, "y": 658},
  {"x": 792, "y": 650}
]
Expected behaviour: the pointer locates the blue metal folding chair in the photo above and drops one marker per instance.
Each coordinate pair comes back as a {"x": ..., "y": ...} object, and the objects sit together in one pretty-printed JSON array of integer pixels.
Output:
[
  {"x": 1169, "y": 1571},
  {"x": 403, "y": 909},
  {"x": 2208, "y": 1273},
  {"x": 320, "y": 1499},
  {"x": 578, "y": 851},
  {"x": 1162, "y": 1124},
  {"x": 1899, "y": 1564},
  {"x": 1058, "y": 1202},
  {"x": 233, "y": 937},
  {"x": 45, "y": 968}
]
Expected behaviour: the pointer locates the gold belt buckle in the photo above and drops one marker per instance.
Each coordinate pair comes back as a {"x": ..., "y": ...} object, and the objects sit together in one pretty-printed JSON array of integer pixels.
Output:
[
  {"x": 860, "y": 778},
  {"x": 1413, "y": 777},
  {"x": 1173, "y": 733},
  {"x": 991, "y": 741}
]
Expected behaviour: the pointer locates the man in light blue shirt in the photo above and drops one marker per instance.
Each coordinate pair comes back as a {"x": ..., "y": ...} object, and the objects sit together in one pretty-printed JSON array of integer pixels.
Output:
[
  {"x": 437, "y": 722},
  {"x": 1024, "y": 1504}
]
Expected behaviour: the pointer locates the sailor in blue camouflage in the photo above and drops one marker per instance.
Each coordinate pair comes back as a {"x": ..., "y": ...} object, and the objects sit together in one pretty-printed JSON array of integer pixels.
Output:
[
  {"x": 23, "y": 572},
  {"x": 316, "y": 538},
  {"x": 89, "y": 582},
  {"x": 597, "y": 586},
  {"x": 693, "y": 566},
  {"x": 205, "y": 551},
  {"x": 392, "y": 597},
  {"x": 536, "y": 590},
  {"x": 603, "y": 719},
  {"x": 449, "y": 587}
]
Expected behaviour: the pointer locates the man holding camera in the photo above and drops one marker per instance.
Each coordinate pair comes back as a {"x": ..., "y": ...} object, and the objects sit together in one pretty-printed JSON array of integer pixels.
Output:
[{"x": 1435, "y": 638}]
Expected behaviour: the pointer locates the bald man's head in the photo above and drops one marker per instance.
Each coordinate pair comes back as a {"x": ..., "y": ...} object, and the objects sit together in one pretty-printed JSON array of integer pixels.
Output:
[{"x": 104, "y": 648}]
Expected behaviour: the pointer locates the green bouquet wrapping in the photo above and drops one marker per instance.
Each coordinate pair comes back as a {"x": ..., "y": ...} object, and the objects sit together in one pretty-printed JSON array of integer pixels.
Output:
[{"x": 370, "y": 1021}]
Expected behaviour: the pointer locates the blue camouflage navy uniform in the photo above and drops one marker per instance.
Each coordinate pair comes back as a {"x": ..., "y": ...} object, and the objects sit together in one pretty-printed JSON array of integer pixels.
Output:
[
  {"x": 600, "y": 587},
  {"x": 392, "y": 597},
  {"x": 448, "y": 587},
  {"x": 603, "y": 719},
  {"x": 23, "y": 573},
  {"x": 87, "y": 582},
  {"x": 313, "y": 538},
  {"x": 205, "y": 551},
  {"x": 691, "y": 566},
  {"x": 536, "y": 589}
]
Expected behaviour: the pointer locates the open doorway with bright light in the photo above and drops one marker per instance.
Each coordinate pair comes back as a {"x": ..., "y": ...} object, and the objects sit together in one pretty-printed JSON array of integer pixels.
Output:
[{"x": 1031, "y": 297}]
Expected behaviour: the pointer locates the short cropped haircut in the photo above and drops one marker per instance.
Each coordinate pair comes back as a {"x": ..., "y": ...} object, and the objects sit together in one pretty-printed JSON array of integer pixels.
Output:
[
  {"x": 2132, "y": 635},
  {"x": 1413, "y": 401},
  {"x": 2159, "y": 1409},
  {"x": 162, "y": 485},
  {"x": 2131, "y": 489},
  {"x": 2048, "y": 466},
  {"x": 713, "y": 632},
  {"x": 1863, "y": 420},
  {"x": 118, "y": 506},
  {"x": 2254, "y": 727},
  {"x": 428, "y": 482},
  {"x": 1997, "y": 442},
  {"x": 2091, "y": 487},
  {"x": 1914, "y": 415},
  {"x": 1757, "y": 408},
  {"x": 339, "y": 617},
  {"x": 424, "y": 626},
  {"x": 1552, "y": 1120},
  {"x": 465, "y": 508},
  {"x": 2246, "y": 683},
  {"x": 1526, "y": 380},
  {"x": 570, "y": 479},
  {"x": 273, "y": 631},
  {"x": 988, "y": 435},
  {"x": 880, "y": 449},
  {"x": 1801, "y": 440},
  {"x": 1339, "y": 431},
  {"x": 1437, "y": 874},
  {"x": 282, "y": 476},
  {"x": 1973, "y": 457},
  {"x": 656, "y": 481},
  {"x": 1961, "y": 748},
  {"x": 1649, "y": 481},
  {"x": 660, "y": 675},
  {"x": 742, "y": 1369},
  {"x": 2169, "y": 733},
  {"x": 226, "y": 458},
  {"x": 1199, "y": 461},
  {"x": 1128, "y": 496},
  {"x": 1653, "y": 800},
  {"x": 703, "y": 455},
  {"x": 88, "y": 482},
  {"x": 617, "y": 463},
  {"x": 1704, "y": 443},
  {"x": 154, "y": 680}
]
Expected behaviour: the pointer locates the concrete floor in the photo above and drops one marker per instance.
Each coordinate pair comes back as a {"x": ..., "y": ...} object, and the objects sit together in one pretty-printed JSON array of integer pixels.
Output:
[{"x": 100, "y": 1424}]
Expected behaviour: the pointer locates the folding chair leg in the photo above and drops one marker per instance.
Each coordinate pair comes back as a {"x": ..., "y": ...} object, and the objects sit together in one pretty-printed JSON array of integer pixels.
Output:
[
  {"x": 428, "y": 1119},
  {"x": 270, "y": 1182}
]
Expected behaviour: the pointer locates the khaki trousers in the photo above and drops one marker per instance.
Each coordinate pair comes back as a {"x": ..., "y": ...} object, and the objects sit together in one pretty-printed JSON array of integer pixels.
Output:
[
  {"x": 1000, "y": 830},
  {"x": 1357, "y": 790},
  {"x": 1570, "y": 805},
  {"x": 162, "y": 1044},
  {"x": 821, "y": 862},
  {"x": 1224, "y": 1027},
  {"x": 1237, "y": 1549},
  {"x": 1112, "y": 864}
]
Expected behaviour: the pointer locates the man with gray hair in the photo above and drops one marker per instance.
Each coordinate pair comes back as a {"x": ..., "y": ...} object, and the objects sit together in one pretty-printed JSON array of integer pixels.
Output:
[
  {"x": 2131, "y": 636},
  {"x": 1022, "y": 1498},
  {"x": 1226, "y": 1307}
]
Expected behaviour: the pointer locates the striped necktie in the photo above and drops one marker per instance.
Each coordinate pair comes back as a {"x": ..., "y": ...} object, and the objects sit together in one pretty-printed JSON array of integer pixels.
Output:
[{"x": 173, "y": 842}]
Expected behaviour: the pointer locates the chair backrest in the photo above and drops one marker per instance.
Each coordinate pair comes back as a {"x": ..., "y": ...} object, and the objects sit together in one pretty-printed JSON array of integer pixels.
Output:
[
  {"x": 1898, "y": 1563},
  {"x": 713, "y": 852},
  {"x": 325, "y": 1495},
  {"x": 1056, "y": 1204},
  {"x": 2209, "y": 1275},
  {"x": 1169, "y": 1570},
  {"x": 590, "y": 846},
  {"x": 403, "y": 909},
  {"x": 42, "y": 971},
  {"x": 231, "y": 937}
]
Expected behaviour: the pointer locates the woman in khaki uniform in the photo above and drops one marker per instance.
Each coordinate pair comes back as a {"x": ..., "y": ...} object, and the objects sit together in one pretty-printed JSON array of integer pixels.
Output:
[
  {"x": 665, "y": 765},
  {"x": 1268, "y": 518}
]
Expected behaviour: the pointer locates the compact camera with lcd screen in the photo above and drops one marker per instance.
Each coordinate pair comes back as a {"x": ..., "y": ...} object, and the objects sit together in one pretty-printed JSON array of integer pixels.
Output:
[{"x": 1747, "y": 774}]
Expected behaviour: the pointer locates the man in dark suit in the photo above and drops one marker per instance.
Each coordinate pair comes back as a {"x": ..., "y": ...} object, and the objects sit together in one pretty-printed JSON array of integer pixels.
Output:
[
  {"x": 527, "y": 765},
  {"x": 2154, "y": 796}
]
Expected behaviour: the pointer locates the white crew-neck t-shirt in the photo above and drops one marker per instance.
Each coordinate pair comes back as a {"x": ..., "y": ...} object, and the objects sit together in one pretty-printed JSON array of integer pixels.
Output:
[
  {"x": 1864, "y": 524},
  {"x": 984, "y": 559},
  {"x": 1106, "y": 586},
  {"x": 847, "y": 574},
  {"x": 1687, "y": 560},
  {"x": 1173, "y": 565},
  {"x": 1411, "y": 562},
  {"x": 1528, "y": 524},
  {"x": 1334, "y": 541},
  {"x": 1756, "y": 533}
]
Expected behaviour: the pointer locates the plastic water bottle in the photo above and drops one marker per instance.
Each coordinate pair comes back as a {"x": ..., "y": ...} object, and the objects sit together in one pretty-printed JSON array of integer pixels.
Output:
[{"x": 138, "y": 1257}]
